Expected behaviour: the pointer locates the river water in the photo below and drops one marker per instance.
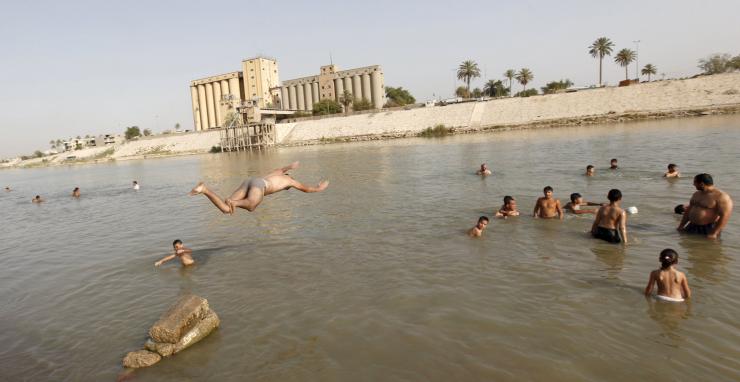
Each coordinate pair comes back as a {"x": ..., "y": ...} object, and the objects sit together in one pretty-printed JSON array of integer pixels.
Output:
[{"x": 374, "y": 279}]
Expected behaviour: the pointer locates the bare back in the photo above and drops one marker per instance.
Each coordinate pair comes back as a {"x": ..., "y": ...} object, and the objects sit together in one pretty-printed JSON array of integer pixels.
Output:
[
  {"x": 670, "y": 283},
  {"x": 609, "y": 216}
]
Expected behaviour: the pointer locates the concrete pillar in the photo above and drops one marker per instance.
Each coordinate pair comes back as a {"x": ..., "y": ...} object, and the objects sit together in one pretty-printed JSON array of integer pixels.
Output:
[
  {"x": 300, "y": 94},
  {"x": 225, "y": 87},
  {"x": 357, "y": 86},
  {"x": 203, "y": 107},
  {"x": 284, "y": 98},
  {"x": 292, "y": 96},
  {"x": 308, "y": 89},
  {"x": 339, "y": 88},
  {"x": 217, "y": 103},
  {"x": 348, "y": 85},
  {"x": 234, "y": 89},
  {"x": 366, "y": 87},
  {"x": 315, "y": 88},
  {"x": 377, "y": 89},
  {"x": 196, "y": 112},
  {"x": 209, "y": 104}
]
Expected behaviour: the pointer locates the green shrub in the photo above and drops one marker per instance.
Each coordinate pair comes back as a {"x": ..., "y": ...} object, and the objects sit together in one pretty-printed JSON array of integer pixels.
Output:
[
  {"x": 436, "y": 131},
  {"x": 327, "y": 106},
  {"x": 361, "y": 104},
  {"x": 215, "y": 149}
]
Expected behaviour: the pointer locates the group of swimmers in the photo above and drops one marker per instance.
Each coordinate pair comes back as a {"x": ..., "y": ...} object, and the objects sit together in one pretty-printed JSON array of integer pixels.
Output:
[
  {"x": 76, "y": 193},
  {"x": 706, "y": 214}
]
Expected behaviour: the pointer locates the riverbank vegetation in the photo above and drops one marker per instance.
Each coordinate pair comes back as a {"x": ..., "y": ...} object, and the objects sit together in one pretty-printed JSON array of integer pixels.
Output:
[{"x": 435, "y": 132}]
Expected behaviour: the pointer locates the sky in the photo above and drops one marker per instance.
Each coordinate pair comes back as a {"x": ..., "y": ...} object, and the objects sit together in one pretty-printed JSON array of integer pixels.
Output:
[{"x": 71, "y": 68}]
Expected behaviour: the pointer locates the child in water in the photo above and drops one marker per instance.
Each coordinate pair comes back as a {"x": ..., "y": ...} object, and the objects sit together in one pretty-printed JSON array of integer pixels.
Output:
[
  {"x": 672, "y": 284},
  {"x": 508, "y": 209},
  {"x": 179, "y": 251},
  {"x": 477, "y": 231}
]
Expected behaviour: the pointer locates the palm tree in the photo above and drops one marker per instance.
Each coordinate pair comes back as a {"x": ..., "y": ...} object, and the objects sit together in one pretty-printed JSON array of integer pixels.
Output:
[
  {"x": 624, "y": 58},
  {"x": 467, "y": 71},
  {"x": 177, "y": 126},
  {"x": 490, "y": 88},
  {"x": 346, "y": 99},
  {"x": 509, "y": 74},
  {"x": 600, "y": 48},
  {"x": 649, "y": 70},
  {"x": 524, "y": 77}
]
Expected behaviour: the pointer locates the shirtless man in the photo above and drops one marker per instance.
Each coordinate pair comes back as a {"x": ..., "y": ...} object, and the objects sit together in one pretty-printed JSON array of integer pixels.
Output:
[
  {"x": 477, "y": 231},
  {"x": 613, "y": 164},
  {"x": 508, "y": 209},
  {"x": 180, "y": 251},
  {"x": 249, "y": 195},
  {"x": 590, "y": 170},
  {"x": 672, "y": 172},
  {"x": 709, "y": 209},
  {"x": 76, "y": 192},
  {"x": 136, "y": 186},
  {"x": 547, "y": 207},
  {"x": 576, "y": 202},
  {"x": 483, "y": 170},
  {"x": 611, "y": 220},
  {"x": 7, "y": 189},
  {"x": 37, "y": 199},
  {"x": 672, "y": 284}
]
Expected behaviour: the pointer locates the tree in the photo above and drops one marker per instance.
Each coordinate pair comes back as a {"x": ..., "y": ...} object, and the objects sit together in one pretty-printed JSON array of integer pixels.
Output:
[
  {"x": 477, "y": 93},
  {"x": 52, "y": 144},
  {"x": 467, "y": 71},
  {"x": 625, "y": 57},
  {"x": 495, "y": 88},
  {"x": 716, "y": 63},
  {"x": 147, "y": 132},
  {"x": 554, "y": 86},
  {"x": 230, "y": 119},
  {"x": 649, "y": 70},
  {"x": 524, "y": 77},
  {"x": 600, "y": 48},
  {"x": 735, "y": 63},
  {"x": 177, "y": 126},
  {"x": 462, "y": 92},
  {"x": 346, "y": 99},
  {"x": 526, "y": 93},
  {"x": 132, "y": 132},
  {"x": 38, "y": 154},
  {"x": 510, "y": 74},
  {"x": 361, "y": 104},
  {"x": 398, "y": 96},
  {"x": 326, "y": 106}
]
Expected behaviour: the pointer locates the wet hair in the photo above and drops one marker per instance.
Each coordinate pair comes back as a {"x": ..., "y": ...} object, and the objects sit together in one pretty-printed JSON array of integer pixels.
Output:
[
  {"x": 135, "y": 182},
  {"x": 483, "y": 218},
  {"x": 614, "y": 195},
  {"x": 176, "y": 242},
  {"x": 589, "y": 167},
  {"x": 547, "y": 188},
  {"x": 76, "y": 189},
  {"x": 508, "y": 199},
  {"x": 613, "y": 160},
  {"x": 667, "y": 258},
  {"x": 574, "y": 196},
  {"x": 671, "y": 166},
  {"x": 37, "y": 197},
  {"x": 679, "y": 209},
  {"x": 704, "y": 178}
]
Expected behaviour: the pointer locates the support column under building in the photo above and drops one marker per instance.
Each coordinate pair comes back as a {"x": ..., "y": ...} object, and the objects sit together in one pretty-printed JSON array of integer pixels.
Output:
[
  {"x": 284, "y": 99},
  {"x": 209, "y": 104},
  {"x": 307, "y": 88},
  {"x": 339, "y": 87},
  {"x": 366, "y": 87},
  {"x": 348, "y": 85},
  {"x": 202, "y": 107},
  {"x": 357, "y": 86},
  {"x": 377, "y": 90},
  {"x": 217, "y": 103},
  {"x": 292, "y": 96},
  {"x": 234, "y": 89},
  {"x": 315, "y": 91},
  {"x": 301, "y": 100},
  {"x": 196, "y": 112}
]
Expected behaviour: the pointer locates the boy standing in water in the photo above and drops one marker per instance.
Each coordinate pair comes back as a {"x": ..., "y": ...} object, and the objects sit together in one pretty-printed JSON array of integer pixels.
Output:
[
  {"x": 547, "y": 206},
  {"x": 508, "y": 209},
  {"x": 179, "y": 251},
  {"x": 672, "y": 284},
  {"x": 613, "y": 164},
  {"x": 672, "y": 172},
  {"x": 590, "y": 170},
  {"x": 479, "y": 227},
  {"x": 611, "y": 220}
]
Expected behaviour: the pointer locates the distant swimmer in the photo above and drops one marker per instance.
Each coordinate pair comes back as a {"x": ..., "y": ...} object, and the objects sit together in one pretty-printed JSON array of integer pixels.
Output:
[
  {"x": 249, "y": 195},
  {"x": 136, "y": 186},
  {"x": 477, "y": 231},
  {"x": 576, "y": 202},
  {"x": 547, "y": 207},
  {"x": 590, "y": 170},
  {"x": 709, "y": 209},
  {"x": 37, "y": 199},
  {"x": 508, "y": 209},
  {"x": 680, "y": 208},
  {"x": 611, "y": 221},
  {"x": 483, "y": 170},
  {"x": 7, "y": 189},
  {"x": 672, "y": 172},
  {"x": 672, "y": 284},
  {"x": 76, "y": 192},
  {"x": 613, "y": 164},
  {"x": 180, "y": 251}
]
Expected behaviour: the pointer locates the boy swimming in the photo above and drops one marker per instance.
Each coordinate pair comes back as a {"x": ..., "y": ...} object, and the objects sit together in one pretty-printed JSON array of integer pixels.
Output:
[
  {"x": 479, "y": 227},
  {"x": 508, "y": 209},
  {"x": 590, "y": 170},
  {"x": 672, "y": 172},
  {"x": 483, "y": 170},
  {"x": 576, "y": 202},
  {"x": 611, "y": 220},
  {"x": 179, "y": 251},
  {"x": 672, "y": 284}
]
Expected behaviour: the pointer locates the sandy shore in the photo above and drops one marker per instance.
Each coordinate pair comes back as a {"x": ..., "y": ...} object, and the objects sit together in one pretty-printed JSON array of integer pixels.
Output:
[{"x": 705, "y": 95}]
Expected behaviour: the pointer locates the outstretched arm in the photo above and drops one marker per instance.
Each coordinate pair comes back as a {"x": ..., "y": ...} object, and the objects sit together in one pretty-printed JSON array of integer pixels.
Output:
[
  {"x": 164, "y": 260},
  {"x": 649, "y": 287},
  {"x": 724, "y": 207},
  {"x": 302, "y": 187}
]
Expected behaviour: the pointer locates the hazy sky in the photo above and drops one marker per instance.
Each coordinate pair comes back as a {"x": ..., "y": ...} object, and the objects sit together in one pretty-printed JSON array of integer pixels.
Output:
[{"x": 72, "y": 68}]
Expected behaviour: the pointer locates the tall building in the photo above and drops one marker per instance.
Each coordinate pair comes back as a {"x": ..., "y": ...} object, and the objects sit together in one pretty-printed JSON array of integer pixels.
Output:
[{"x": 361, "y": 83}]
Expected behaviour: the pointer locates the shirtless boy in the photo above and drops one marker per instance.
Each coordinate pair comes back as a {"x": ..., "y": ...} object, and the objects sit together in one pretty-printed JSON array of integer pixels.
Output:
[
  {"x": 613, "y": 164},
  {"x": 477, "y": 231},
  {"x": 7, "y": 189},
  {"x": 37, "y": 199},
  {"x": 672, "y": 284},
  {"x": 547, "y": 207},
  {"x": 508, "y": 209},
  {"x": 76, "y": 192},
  {"x": 179, "y": 251},
  {"x": 483, "y": 170},
  {"x": 672, "y": 172},
  {"x": 709, "y": 209},
  {"x": 590, "y": 170},
  {"x": 611, "y": 220},
  {"x": 249, "y": 195},
  {"x": 576, "y": 202}
]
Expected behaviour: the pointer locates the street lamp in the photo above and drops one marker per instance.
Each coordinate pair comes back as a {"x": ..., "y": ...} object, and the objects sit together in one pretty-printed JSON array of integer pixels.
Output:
[{"x": 637, "y": 59}]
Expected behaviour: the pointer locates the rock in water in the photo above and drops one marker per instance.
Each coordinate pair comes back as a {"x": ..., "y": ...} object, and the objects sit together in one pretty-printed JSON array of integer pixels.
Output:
[
  {"x": 179, "y": 318},
  {"x": 162, "y": 348},
  {"x": 140, "y": 358},
  {"x": 198, "y": 332}
]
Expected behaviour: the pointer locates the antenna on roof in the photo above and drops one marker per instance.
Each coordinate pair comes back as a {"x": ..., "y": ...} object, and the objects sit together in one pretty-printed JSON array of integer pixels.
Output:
[{"x": 331, "y": 61}]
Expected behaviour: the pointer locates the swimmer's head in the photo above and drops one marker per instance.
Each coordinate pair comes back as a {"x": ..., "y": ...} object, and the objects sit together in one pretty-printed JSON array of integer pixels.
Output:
[
  {"x": 575, "y": 197},
  {"x": 509, "y": 201},
  {"x": 37, "y": 197},
  {"x": 135, "y": 182},
  {"x": 703, "y": 180},
  {"x": 482, "y": 222},
  {"x": 672, "y": 167},
  {"x": 177, "y": 244},
  {"x": 76, "y": 189},
  {"x": 547, "y": 191},
  {"x": 667, "y": 258},
  {"x": 614, "y": 195},
  {"x": 590, "y": 169},
  {"x": 679, "y": 209},
  {"x": 613, "y": 163},
  {"x": 483, "y": 167}
]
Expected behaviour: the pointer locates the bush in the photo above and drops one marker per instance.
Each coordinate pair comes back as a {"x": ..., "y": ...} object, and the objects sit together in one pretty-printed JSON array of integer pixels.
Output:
[
  {"x": 361, "y": 104},
  {"x": 215, "y": 149},
  {"x": 38, "y": 154},
  {"x": 554, "y": 86},
  {"x": 327, "y": 106},
  {"x": 398, "y": 96},
  {"x": 526, "y": 93},
  {"x": 132, "y": 132},
  {"x": 436, "y": 131},
  {"x": 147, "y": 132}
]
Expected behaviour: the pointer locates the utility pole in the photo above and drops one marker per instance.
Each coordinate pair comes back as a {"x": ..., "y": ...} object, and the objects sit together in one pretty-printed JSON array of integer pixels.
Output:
[{"x": 637, "y": 59}]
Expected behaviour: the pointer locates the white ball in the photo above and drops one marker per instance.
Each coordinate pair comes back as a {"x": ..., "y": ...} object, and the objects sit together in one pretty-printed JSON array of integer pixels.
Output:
[{"x": 631, "y": 210}]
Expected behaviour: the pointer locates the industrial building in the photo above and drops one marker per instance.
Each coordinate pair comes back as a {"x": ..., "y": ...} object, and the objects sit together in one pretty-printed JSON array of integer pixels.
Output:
[{"x": 257, "y": 85}]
